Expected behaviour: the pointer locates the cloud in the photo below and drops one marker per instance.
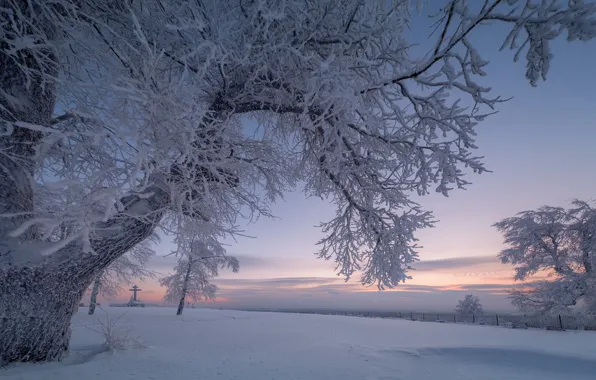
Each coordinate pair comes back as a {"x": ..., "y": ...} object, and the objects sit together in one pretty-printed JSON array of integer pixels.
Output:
[
  {"x": 165, "y": 263},
  {"x": 334, "y": 286},
  {"x": 454, "y": 263},
  {"x": 418, "y": 288},
  {"x": 286, "y": 282},
  {"x": 299, "y": 285},
  {"x": 334, "y": 293},
  {"x": 162, "y": 264},
  {"x": 247, "y": 261},
  {"x": 324, "y": 292}
]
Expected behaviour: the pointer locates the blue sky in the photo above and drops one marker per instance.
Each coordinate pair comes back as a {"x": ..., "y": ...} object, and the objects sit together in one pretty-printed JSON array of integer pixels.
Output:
[{"x": 540, "y": 147}]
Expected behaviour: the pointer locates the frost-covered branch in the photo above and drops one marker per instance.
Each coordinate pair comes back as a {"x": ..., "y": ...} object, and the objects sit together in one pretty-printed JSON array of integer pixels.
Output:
[{"x": 154, "y": 98}]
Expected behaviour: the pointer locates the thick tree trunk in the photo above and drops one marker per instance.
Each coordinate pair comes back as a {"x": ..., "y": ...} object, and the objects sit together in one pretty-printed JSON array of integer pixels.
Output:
[
  {"x": 94, "y": 293},
  {"x": 184, "y": 287},
  {"x": 38, "y": 300},
  {"x": 36, "y": 306}
]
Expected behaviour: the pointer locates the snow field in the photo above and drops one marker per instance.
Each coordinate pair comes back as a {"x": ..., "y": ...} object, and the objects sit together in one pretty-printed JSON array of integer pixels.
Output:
[{"x": 221, "y": 344}]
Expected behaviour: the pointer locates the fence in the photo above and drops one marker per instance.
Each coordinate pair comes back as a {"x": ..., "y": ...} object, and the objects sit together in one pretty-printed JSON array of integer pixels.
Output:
[{"x": 548, "y": 322}]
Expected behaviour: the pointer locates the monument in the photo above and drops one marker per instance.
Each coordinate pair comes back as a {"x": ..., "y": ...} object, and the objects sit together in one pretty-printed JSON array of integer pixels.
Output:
[{"x": 134, "y": 301}]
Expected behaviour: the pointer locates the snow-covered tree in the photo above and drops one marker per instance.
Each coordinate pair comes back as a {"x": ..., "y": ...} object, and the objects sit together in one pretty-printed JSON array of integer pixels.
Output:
[
  {"x": 123, "y": 271},
  {"x": 197, "y": 266},
  {"x": 558, "y": 242},
  {"x": 469, "y": 306},
  {"x": 142, "y": 105}
]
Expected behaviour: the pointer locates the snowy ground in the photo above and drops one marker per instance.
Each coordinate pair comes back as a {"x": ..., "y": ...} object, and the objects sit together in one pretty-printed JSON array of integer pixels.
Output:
[{"x": 214, "y": 344}]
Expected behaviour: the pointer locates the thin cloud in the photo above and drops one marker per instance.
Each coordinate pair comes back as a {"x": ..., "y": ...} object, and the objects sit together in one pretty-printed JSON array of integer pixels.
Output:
[
  {"x": 333, "y": 292},
  {"x": 247, "y": 261},
  {"x": 478, "y": 287},
  {"x": 275, "y": 282},
  {"x": 454, "y": 263},
  {"x": 312, "y": 285},
  {"x": 318, "y": 294},
  {"x": 165, "y": 263}
]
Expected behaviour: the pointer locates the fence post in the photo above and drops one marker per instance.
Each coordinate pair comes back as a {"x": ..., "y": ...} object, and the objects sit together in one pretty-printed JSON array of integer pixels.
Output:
[
  {"x": 473, "y": 318},
  {"x": 560, "y": 322},
  {"x": 454, "y": 321},
  {"x": 497, "y": 315}
]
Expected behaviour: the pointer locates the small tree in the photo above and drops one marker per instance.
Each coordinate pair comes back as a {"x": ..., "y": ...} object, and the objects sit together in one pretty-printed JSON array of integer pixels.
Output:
[
  {"x": 559, "y": 242},
  {"x": 469, "y": 306},
  {"x": 199, "y": 264}
]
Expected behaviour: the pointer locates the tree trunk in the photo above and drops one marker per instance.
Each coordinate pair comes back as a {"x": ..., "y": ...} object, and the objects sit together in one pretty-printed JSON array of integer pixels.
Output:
[
  {"x": 184, "y": 287},
  {"x": 36, "y": 306},
  {"x": 181, "y": 304},
  {"x": 37, "y": 301},
  {"x": 94, "y": 292}
]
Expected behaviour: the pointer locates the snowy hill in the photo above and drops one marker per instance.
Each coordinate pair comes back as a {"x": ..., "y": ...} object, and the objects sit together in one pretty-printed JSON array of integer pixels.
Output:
[{"x": 219, "y": 344}]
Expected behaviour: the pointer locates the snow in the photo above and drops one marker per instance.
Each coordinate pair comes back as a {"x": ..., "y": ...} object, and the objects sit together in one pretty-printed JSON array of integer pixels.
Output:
[{"x": 221, "y": 344}]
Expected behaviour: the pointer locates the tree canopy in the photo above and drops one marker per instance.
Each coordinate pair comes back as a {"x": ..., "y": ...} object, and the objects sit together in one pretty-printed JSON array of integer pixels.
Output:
[
  {"x": 469, "y": 306},
  {"x": 560, "y": 243},
  {"x": 142, "y": 106}
]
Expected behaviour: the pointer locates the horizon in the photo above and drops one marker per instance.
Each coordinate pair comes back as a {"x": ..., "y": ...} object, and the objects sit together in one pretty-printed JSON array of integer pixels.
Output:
[
  {"x": 332, "y": 293},
  {"x": 538, "y": 147}
]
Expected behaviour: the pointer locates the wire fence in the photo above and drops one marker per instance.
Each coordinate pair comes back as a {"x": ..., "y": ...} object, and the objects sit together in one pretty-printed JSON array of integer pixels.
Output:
[{"x": 548, "y": 322}]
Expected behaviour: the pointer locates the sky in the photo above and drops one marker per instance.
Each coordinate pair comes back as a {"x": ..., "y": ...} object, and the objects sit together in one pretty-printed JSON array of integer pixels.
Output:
[{"x": 540, "y": 148}]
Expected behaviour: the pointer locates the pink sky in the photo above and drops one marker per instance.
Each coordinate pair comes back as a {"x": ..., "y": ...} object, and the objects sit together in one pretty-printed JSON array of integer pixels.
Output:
[{"x": 437, "y": 285}]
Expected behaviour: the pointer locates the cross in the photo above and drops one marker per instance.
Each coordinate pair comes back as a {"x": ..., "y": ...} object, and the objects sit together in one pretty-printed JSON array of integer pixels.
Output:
[{"x": 135, "y": 289}]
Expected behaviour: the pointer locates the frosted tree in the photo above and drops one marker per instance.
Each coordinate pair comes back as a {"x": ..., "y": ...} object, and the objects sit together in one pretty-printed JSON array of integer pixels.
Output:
[
  {"x": 123, "y": 271},
  {"x": 198, "y": 265},
  {"x": 143, "y": 106},
  {"x": 469, "y": 306},
  {"x": 558, "y": 242}
]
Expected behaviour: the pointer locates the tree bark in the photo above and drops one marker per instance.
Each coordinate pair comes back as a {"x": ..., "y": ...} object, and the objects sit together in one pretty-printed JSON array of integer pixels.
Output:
[
  {"x": 94, "y": 292},
  {"x": 37, "y": 302},
  {"x": 181, "y": 304},
  {"x": 184, "y": 287},
  {"x": 36, "y": 306}
]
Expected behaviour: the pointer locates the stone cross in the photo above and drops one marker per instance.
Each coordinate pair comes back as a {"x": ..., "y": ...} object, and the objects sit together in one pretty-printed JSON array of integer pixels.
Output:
[{"x": 135, "y": 289}]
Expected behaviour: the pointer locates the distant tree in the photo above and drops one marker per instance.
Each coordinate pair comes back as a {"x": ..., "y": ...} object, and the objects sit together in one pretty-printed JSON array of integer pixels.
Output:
[
  {"x": 198, "y": 265},
  {"x": 123, "y": 271},
  {"x": 469, "y": 306},
  {"x": 560, "y": 243}
]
